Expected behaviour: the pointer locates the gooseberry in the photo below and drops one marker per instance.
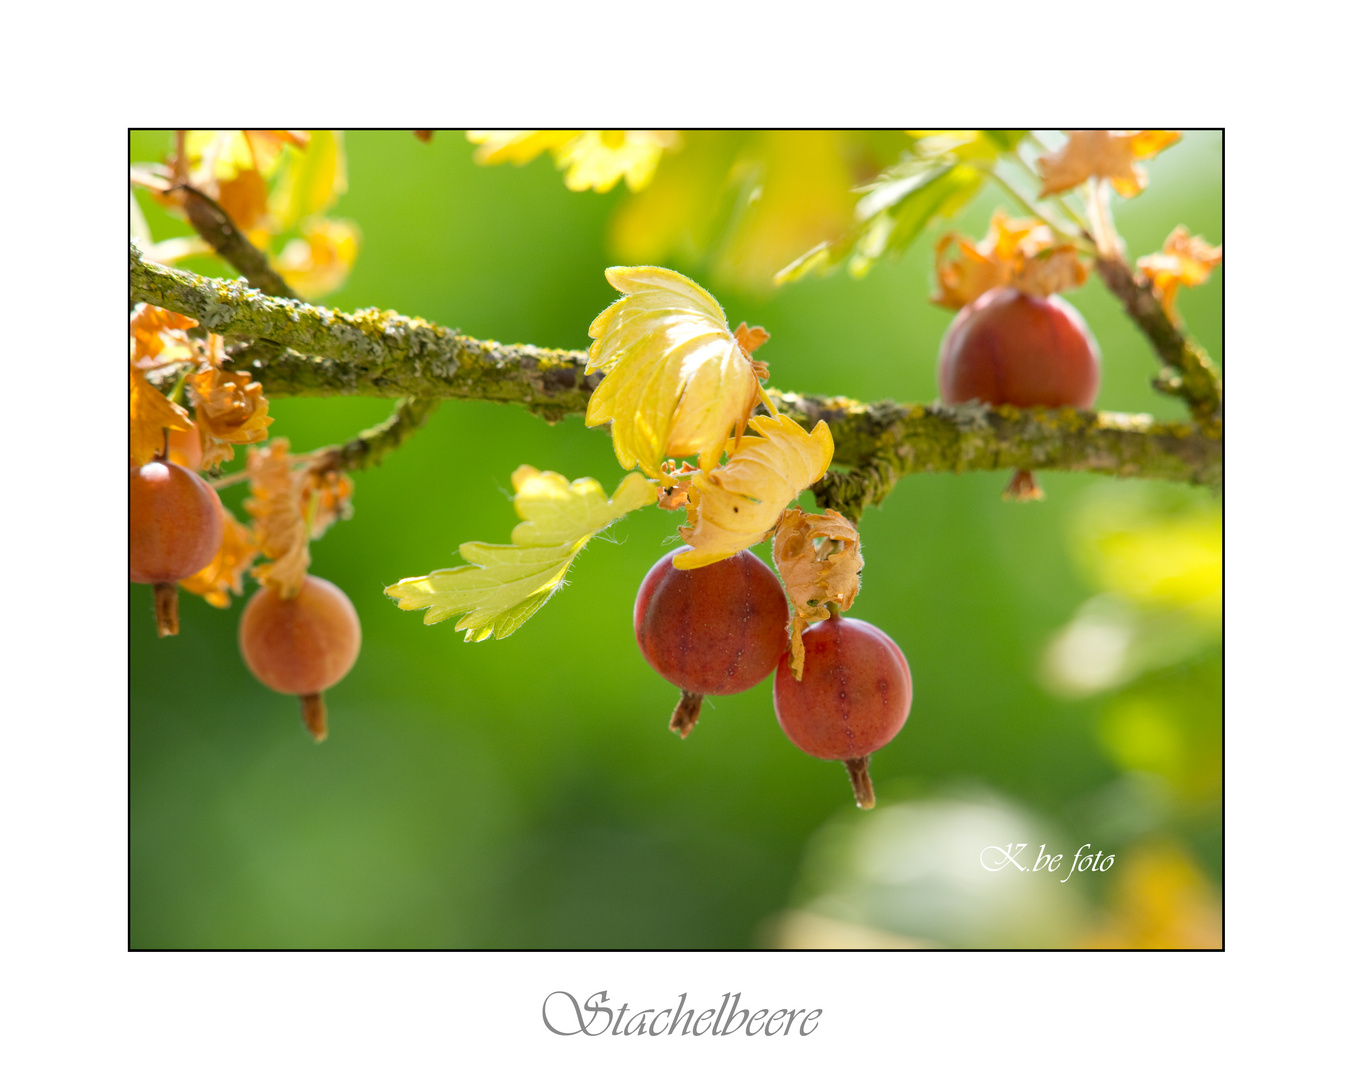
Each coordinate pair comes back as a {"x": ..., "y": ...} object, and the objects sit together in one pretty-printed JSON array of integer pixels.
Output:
[
  {"x": 1008, "y": 347},
  {"x": 175, "y": 528},
  {"x": 854, "y": 696},
  {"x": 301, "y": 645},
  {"x": 718, "y": 629}
]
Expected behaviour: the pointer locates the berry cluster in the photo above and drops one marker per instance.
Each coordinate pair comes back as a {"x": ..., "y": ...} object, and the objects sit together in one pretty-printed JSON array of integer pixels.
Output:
[
  {"x": 301, "y": 644},
  {"x": 722, "y": 628}
]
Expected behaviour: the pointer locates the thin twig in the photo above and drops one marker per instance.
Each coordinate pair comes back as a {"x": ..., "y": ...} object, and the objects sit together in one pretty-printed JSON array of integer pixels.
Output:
[{"x": 213, "y": 224}]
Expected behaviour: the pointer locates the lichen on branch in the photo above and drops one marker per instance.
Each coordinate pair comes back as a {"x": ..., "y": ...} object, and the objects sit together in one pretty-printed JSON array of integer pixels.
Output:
[{"x": 295, "y": 348}]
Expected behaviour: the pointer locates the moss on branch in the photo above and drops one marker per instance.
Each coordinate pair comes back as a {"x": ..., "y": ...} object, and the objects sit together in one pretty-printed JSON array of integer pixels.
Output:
[
  {"x": 294, "y": 348},
  {"x": 299, "y": 349}
]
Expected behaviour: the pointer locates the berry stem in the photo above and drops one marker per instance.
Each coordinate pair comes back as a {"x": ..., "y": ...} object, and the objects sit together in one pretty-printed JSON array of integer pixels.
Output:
[
  {"x": 858, "y": 768},
  {"x": 167, "y": 608},
  {"x": 1022, "y": 487},
  {"x": 315, "y": 716},
  {"x": 686, "y": 713}
]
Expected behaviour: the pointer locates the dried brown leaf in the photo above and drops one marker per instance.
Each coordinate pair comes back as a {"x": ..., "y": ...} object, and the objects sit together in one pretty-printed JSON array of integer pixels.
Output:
[
  {"x": 1050, "y": 271},
  {"x": 231, "y": 411},
  {"x": 326, "y": 497},
  {"x": 1185, "y": 260},
  {"x": 151, "y": 414},
  {"x": 225, "y": 573},
  {"x": 157, "y": 335},
  {"x": 1112, "y": 155},
  {"x": 1015, "y": 251},
  {"x": 818, "y": 557},
  {"x": 278, "y": 522}
]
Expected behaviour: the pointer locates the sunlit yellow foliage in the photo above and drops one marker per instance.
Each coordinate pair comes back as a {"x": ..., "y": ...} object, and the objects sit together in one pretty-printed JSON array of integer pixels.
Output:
[
  {"x": 740, "y": 503},
  {"x": 503, "y": 585},
  {"x": 319, "y": 261},
  {"x": 269, "y": 183},
  {"x": 311, "y": 182},
  {"x": 677, "y": 380},
  {"x": 591, "y": 160}
]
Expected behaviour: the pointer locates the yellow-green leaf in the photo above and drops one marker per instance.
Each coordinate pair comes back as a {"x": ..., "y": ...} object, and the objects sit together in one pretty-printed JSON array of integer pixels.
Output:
[
  {"x": 739, "y": 503},
  {"x": 503, "y": 585},
  {"x": 677, "y": 381},
  {"x": 314, "y": 179}
]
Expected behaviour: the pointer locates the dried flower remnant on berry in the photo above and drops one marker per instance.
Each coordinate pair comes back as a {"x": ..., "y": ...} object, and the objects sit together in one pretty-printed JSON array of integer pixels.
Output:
[
  {"x": 278, "y": 522},
  {"x": 818, "y": 557},
  {"x": 1016, "y": 251},
  {"x": 231, "y": 410}
]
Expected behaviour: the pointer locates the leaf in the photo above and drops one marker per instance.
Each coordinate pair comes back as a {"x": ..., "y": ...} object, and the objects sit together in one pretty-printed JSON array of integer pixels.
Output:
[
  {"x": 231, "y": 411},
  {"x": 505, "y": 584},
  {"x": 739, "y": 503},
  {"x": 278, "y": 524},
  {"x": 516, "y": 146},
  {"x": 596, "y": 160},
  {"x": 1015, "y": 251},
  {"x": 319, "y": 261},
  {"x": 818, "y": 557},
  {"x": 593, "y": 160},
  {"x": 1052, "y": 270},
  {"x": 677, "y": 381},
  {"x": 932, "y": 178},
  {"x": 312, "y": 181},
  {"x": 1112, "y": 155},
  {"x": 151, "y": 414},
  {"x": 244, "y": 198},
  {"x": 1184, "y": 260},
  {"x": 225, "y": 573},
  {"x": 158, "y": 335}
]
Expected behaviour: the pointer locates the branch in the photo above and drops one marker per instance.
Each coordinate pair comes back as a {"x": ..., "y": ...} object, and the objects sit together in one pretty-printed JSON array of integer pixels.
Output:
[
  {"x": 296, "y": 348},
  {"x": 305, "y": 350},
  {"x": 1189, "y": 372},
  {"x": 213, "y": 224},
  {"x": 366, "y": 450},
  {"x": 885, "y": 442}
]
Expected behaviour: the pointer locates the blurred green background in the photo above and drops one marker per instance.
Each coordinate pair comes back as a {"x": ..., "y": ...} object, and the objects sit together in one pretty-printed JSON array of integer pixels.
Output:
[{"x": 526, "y": 793}]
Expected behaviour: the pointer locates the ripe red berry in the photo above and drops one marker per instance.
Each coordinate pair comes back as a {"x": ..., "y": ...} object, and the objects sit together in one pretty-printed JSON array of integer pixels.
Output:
[
  {"x": 302, "y": 645},
  {"x": 854, "y": 696},
  {"x": 175, "y": 529},
  {"x": 1010, "y": 348},
  {"x": 718, "y": 629}
]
